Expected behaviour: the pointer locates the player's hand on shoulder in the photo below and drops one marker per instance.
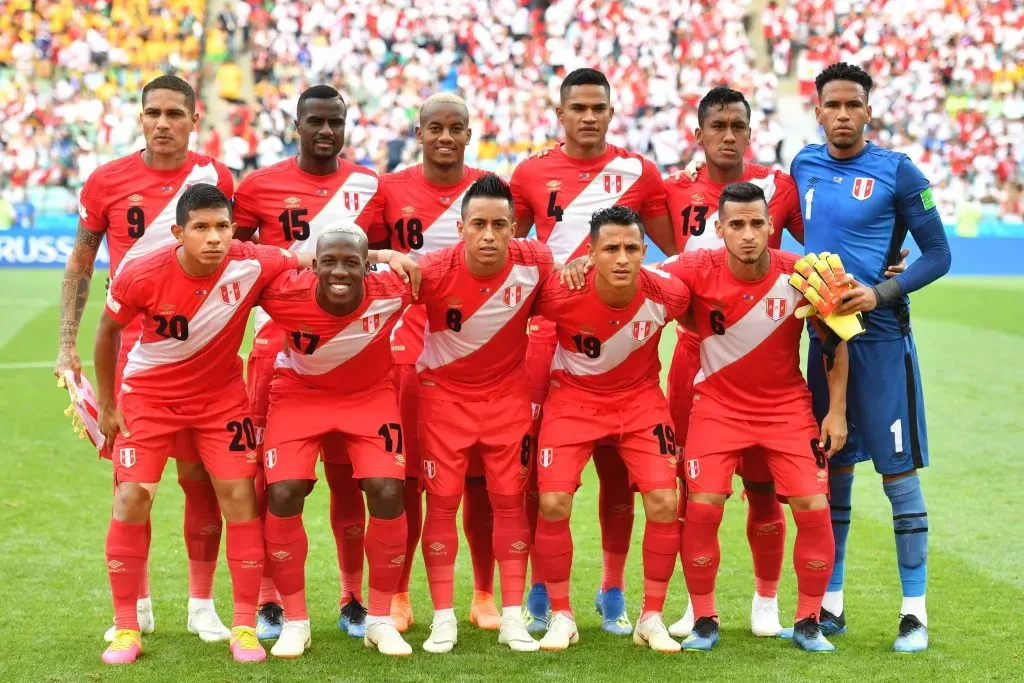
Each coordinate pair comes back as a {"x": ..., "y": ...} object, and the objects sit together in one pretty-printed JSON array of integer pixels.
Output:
[
  {"x": 689, "y": 173},
  {"x": 574, "y": 274},
  {"x": 404, "y": 267},
  {"x": 68, "y": 359},
  {"x": 893, "y": 271},
  {"x": 111, "y": 422},
  {"x": 858, "y": 299},
  {"x": 834, "y": 432},
  {"x": 542, "y": 152}
]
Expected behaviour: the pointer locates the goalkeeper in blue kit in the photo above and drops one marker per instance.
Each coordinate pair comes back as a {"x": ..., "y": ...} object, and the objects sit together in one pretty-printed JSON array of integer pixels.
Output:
[{"x": 860, "y": 201}]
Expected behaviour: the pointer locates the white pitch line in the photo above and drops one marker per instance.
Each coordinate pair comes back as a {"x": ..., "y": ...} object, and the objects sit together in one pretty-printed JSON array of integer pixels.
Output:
[{"x": 36, "y": 365}]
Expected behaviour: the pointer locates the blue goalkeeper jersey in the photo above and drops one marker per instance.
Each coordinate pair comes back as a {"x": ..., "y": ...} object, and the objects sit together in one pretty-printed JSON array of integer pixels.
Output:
[{"x": 862, "y": 209}]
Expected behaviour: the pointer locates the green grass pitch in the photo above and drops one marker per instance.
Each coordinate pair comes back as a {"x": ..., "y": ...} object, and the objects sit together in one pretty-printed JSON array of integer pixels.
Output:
[{"x": 54, "y": 507}]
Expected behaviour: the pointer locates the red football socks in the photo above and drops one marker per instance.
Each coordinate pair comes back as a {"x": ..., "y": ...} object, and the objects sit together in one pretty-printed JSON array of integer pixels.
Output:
[
  {"x": 532, "y": 500},
  {"x": 268, "y": 591},
  {"x": 144, "y": 584},
  {"x": 554, "y": 549},
  {"x": 813, "y": 553},
  {"x": 766, "y": 532},
  {"x": 511, "y": 542},
  {"x": 413, "y": 499},
  {"x": 245, "y": 553},
  {"x": 348, "y": 522},
  {"x": 202, "y": 536},
  {"x": 440, "y": 545},
  {"x": 478, "y": 524},
  {"x": 615, "y": 513},
  {"x": 661, "y": 542},
  {"x": 702, "y": 555},
  {"x": 126, "y": 549},
  {"x": 386, "y": 543},
  {"x": 287, "y": 549}
]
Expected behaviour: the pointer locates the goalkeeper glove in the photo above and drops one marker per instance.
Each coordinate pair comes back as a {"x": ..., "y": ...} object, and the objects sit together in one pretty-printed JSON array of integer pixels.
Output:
[
  {"x": 817, "y": 277},
  {"x": 83, "y": 411}
]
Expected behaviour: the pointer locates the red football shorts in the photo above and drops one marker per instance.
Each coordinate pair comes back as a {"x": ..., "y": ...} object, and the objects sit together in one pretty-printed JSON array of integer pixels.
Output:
[
  {"x": 716, "y": 445},
  {"x": 453, "y": 434},
  {"x": 640, "y": 429},
  {"x": 407, "y": 384},
  {"x": 685, "y": 366},
  {"x": 184, "y": 448},
  {"x": 217, "y": 427},
  {"x": 364, "y": 429}
]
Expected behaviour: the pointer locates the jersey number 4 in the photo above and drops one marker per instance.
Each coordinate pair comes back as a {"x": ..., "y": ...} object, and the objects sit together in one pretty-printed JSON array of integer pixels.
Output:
[{"x": 554, "y": 210}]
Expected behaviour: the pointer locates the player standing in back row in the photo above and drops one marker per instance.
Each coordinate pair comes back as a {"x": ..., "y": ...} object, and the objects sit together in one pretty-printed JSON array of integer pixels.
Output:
[
  {"x": 859, "y": 201},
  {"x": 289, "y": 205},
  {"x": 559, "y": 192},
  {"x": 723, "y": 120},
  {"x": 416, "y": 211},
  {"x": 132, "y": 201}
]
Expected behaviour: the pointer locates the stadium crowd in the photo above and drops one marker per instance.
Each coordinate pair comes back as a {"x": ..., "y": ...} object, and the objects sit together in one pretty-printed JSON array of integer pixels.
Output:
[{"x": 951, "y": 84}]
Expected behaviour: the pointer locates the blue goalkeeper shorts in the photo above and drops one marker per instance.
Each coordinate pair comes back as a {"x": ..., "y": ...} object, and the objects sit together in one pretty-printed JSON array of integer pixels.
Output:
[{"x": 884, "y": 403}]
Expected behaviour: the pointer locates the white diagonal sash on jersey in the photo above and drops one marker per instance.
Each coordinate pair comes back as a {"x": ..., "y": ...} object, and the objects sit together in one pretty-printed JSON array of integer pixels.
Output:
[
  {"x": 335, "y": 213},
  {"x": 345, "y": 345},
  {"x": 157, "y": 233},
  {"x": 709, "y": 239},
  {"x": 746, "y": 334},
  {"x": 332, "y": 214},
  {"x": 446, "y": 346},
  {"x": 443, "y": 232},
  {"x": 570, "y": 232},
  {"x": 211, "y": 318},
  {"x": 616, "y": 349}
]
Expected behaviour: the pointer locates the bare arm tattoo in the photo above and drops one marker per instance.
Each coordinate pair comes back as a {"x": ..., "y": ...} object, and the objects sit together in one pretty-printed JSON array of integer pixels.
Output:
[{"x": 75, "y": 287}]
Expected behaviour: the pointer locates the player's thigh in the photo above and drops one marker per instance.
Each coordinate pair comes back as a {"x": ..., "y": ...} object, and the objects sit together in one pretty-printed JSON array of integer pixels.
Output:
[
  {"x": 448, "y": 432},
  {"x": 225, "y": 435},
  {"x": 753, "y": 466},
  {"x": 505, "y": 445},
  {"x": 648, "y": 449},
  {"x": 374, "y": 457},
  {"x": 852, "y": 453},
  {"x": 714, "y": 447},
  {"x": 289, "y": 459},
  {"x": 797, "y": 465},
  {"x": 154, "y": 429},
  {"x": 887, "y": 404},
  {"x": 407, "y": 386}
]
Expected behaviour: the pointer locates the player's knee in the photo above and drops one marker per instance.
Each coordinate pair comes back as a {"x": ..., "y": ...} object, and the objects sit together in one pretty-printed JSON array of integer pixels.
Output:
[
  {"x": 764, "y": 487},
  {"x": 555, "y": 507},
  {"x": 660, "y": 505},
  {"x": 808, "y": 503},
  {"x": 716, "y": 499},
  {"x": 189, "y": 470},
  {"x": 286, "y": 498},
  {"x": 887, "y": 478},
  {"x": 846, "y": 469},
  {"x": 384, "y": 497},
  {"x": 132, "y": 503}
]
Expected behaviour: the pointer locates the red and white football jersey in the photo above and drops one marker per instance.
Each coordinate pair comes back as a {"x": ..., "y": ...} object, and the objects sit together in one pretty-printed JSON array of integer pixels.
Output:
[
  {"x": 135, "y": 205},
  {"x": 192, "y": 328},
  {"x": 475, "y": 342},
  {"x": 345, "y": 354},
  {"x": 610, "y": 352},
  {"x": 562, "y": 193},
  {"x": 749, "y": 337},
  {"x": 693, "y": 206},
  {"x": 290, "y": 208},
  {"x": 417, "y": 218}
]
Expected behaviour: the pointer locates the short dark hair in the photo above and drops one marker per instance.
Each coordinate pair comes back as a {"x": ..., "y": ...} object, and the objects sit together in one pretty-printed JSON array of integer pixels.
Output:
[
  {"x": 491, "y": 187},
  {"x": 319, "y": 92},
  {"x": 200, "y": 196},
  {"x": 614, "y": 215},
  {"x": 743, "y": 193},
  {"x": 583, "y": 77},
  {"x": 171, "y": 82},
  {"x": 844, "y": 72},
  {"x": 720, "y": 96}
]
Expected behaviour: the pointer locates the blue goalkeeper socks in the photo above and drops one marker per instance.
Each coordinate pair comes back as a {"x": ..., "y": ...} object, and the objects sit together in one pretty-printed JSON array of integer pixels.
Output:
[
  {"x": 840, "y": 488},
  {"x": 910, "y": 524}
]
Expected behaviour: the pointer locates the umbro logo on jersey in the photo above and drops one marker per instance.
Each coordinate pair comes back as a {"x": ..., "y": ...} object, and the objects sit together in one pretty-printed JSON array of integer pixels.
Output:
[
  {"x": 642, "y": 329},
  {"x": 697, "y": 197},
  {"x": 862, "y": 188},
  {"x": 135, "y": 198},
  {"x": 775, "y": 308},
  {"x": 513, "y": 296},
  {"x": 553, "y": 185},
  {"x": 292, "y": 201},
  {"x": 231, "y": 293},
  {"x": 812, "y": 181},
  {"x": 408, "y": 210}
]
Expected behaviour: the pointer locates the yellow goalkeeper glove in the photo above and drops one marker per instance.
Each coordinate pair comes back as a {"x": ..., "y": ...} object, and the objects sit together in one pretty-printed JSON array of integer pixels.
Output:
[{"x": 817, "y": 277}]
